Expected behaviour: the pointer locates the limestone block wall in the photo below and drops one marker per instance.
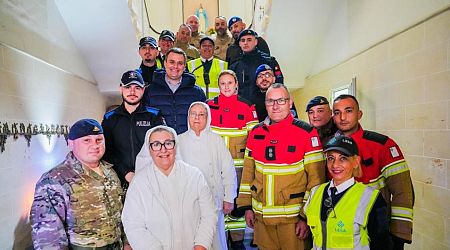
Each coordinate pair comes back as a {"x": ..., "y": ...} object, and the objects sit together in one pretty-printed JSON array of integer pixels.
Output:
[{"x": 403, "y": 85}]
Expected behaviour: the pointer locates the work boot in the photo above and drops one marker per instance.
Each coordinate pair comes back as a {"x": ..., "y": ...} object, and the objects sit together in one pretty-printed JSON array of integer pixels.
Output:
[{"x": 237, "y": 245}]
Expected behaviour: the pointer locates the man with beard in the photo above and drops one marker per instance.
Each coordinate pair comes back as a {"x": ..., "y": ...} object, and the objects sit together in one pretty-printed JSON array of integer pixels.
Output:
[
  {"x": 234, "y": 51},
  {"x": 125, "y": 126},
  {"x": 196, "y": 36},
  {"x": 222, "y": 38},
  {"x": 148, "y": 50},
  {"x": 265, "y": 77}
]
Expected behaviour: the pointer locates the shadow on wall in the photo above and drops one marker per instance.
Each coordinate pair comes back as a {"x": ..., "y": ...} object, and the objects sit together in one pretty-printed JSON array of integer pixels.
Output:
[{"x": 22, "y": 234}]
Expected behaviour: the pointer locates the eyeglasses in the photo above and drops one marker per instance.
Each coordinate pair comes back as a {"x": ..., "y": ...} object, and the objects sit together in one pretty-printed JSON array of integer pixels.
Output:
[
  {"x": 157, "y": 146},
  {"x": 199, "y": 115},
  {"x": 265, "y": 75},
  {"x": 280, "y": 101}
]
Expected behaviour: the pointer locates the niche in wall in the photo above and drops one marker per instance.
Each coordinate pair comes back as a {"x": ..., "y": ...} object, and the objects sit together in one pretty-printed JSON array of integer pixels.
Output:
[{"x": 347, "y": 89}]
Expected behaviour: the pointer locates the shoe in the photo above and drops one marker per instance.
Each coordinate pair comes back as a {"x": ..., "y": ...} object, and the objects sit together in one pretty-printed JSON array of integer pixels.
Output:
[
  {"x": 253, "y": 244},
  {"x": 237, "y": 245}
]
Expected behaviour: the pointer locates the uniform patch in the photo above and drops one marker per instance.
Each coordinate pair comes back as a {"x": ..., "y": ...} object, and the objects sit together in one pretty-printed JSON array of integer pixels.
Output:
[
  {"x": 394, "y": 152},
  {"x": 273, "y": 141},
  {"x": 314, "y": 141},
  {"x": 270, "y": 153},
  {"x": 240, "y": 117},
  {"x": 143, "y": 123},
  {"x": 254, "y": 114},
  {"x": 291, "y": 149}
]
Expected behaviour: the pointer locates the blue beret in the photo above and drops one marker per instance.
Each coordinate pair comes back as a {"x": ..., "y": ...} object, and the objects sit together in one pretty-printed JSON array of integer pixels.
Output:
[
  {"x": 318, "y": 100},
  {"x": 261, "y": 68},
  {"x": 233, "y": 20},
  {"x": 132, "y": 77},
  {"x": 85, "y": 127}
]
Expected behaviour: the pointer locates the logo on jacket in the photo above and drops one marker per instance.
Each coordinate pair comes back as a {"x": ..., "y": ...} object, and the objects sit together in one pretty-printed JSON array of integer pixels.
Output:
[
  {"x": 314, "y": 141},
  {"x": 143, "y": 123}
]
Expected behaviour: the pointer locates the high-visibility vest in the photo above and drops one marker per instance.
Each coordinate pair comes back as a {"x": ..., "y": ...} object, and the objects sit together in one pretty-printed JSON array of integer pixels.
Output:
[
  {"x": 159, "y": 64},
  {"x": 217, "y": 66},
  {"x": 350, "y": 213}
]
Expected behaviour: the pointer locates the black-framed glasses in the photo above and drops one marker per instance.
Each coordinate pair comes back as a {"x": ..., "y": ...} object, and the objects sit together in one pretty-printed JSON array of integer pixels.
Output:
[
  {"x": 279, "y": 101},
  {"x": 265, "y": 75},
  {"x": 330, "y": 208},
  {"x": 157, "y": 146}
]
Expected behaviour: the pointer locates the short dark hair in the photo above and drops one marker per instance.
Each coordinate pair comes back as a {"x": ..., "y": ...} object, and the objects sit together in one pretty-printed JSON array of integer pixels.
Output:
[
  {"x": 176, "y": 51},
  {"x": 346, "y": 96}
]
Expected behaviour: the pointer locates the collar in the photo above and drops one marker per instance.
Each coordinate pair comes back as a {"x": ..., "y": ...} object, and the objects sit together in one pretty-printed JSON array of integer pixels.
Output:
[
  {"x": 209, "y": 59},
  {"x": 341, "y": 187},
  {"x": 288, "y": 120},
  {"x": 167, "y": 80}
]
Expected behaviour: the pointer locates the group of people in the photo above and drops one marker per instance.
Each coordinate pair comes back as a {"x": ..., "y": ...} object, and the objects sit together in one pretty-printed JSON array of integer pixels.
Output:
[{"x": 197, "y": 147}]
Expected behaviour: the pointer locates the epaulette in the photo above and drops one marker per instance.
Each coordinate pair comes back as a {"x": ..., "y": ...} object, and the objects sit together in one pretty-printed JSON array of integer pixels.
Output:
[
  {"x": 374, "y": 136},
  {"x": 216, "y": 100},
  {"x": 242, "y": 99},
  {"x": 110, "y": 113},
  {"x": 303, "y": 125},
  {"x": 154, "y": 111},
  {"x": 258, "y": 125}
]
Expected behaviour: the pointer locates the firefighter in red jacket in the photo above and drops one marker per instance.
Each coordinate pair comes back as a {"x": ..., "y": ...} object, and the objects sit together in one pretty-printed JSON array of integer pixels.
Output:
[
  {"x": 283, "y": 161},
  {"x": 383, "y": 166},
  {"x": 232, "y": 117}
]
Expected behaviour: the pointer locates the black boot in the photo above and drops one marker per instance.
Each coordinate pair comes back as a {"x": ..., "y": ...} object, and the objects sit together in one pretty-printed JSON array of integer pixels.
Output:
[{"x": 237, "y": 245}]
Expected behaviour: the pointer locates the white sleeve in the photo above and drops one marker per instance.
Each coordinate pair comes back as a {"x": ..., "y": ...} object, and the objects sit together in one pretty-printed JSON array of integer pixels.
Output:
[
  {"x": 133, "y": 218},
  {"x": 208, "y": 214},
  {"x": 229, "y": 178}
]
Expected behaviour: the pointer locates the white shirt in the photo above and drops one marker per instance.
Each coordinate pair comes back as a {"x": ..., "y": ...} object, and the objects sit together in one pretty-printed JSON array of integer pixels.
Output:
[{"x": 341, "y": 187}]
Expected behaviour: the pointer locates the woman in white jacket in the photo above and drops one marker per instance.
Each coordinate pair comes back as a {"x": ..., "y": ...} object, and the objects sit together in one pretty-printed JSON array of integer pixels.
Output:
[
  {"x": 202, "y": 148},
  {"x": 168, "y": 204}
]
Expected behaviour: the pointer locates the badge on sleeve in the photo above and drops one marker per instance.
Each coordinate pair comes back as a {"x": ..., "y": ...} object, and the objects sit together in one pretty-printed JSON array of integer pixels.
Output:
[
  {"x": 314, "y": 142},
  {"x": 394, "y": 152},
  {"x": 254, "y": 114}
]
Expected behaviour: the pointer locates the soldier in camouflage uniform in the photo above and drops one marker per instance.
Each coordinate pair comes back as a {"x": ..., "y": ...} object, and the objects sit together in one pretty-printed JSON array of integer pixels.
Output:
[{"x": 77, "y": 205}]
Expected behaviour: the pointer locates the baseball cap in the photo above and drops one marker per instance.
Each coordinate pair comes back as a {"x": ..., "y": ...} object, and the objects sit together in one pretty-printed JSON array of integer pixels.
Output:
[
  {"x": 206, "y": 38},
  {"x": 343, "y": 144},
  {"x": 233, "y": 20},
  {"x": 246, "y": 33},
  {"x": 167, "y": 34},
  {"x": 148, "y": 40},
  {"x": 261, "y": 68},
  {"x": 318, "y": 100},
  {"x": 85, "y": 127},
  {"x": 132, "y": 77}
]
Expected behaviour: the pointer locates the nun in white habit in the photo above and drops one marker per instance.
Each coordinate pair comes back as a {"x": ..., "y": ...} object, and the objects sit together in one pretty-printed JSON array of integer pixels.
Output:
[
  {"x": 202, "y": 148},
  {"x": 168, "y": 205}
]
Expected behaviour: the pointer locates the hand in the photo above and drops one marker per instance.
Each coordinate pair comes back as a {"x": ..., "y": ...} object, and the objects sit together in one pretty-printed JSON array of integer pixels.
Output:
[
  {"x": 129, "y": 176},
  {"x": 227, "y": 207},
  {"x": 250, "y": 218},
  {"x": 127, "y": 247},
  {"x": 198, "y": 247},
  {"x": 301, "y": 230}
]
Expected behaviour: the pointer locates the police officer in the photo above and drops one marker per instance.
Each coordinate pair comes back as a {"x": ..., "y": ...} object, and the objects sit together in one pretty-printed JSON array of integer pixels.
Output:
[
  {"x": 283, "y": 161},
  {"x": 265, "y": 77},
  {"x": 77, "y": 204},
  {"x": 319, "y": 115},
  {"x": 206, "y": 69},
  {"x": 251, "y": 58},
  {"x": 166, "y": 41},
  {"x": 236, "y": 25},
  {"x": 148, "y": 50},
  {"x": 383, "y": 167},
  {"x": 343, "y": 213},
  {"x": 126, "y": 125}
]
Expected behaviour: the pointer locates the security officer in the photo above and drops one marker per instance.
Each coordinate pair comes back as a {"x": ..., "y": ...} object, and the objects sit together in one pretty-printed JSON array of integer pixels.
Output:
[
  {"x": 319, "y": 115},
  {"x": 283, "y": 161},
  {"x": 265, "y": 76},
  {"x": 206, "y": 69},
  {"x": 236, "y": 25},
  {"x": 232, "y": 117},
  {"x": 222, "y": 38},
  {"x": 126, "y": 125},
  {"x": 344, "y": 214},
  {"x": 251, "y": 58},
  {"x": 148, "y": 50},
  {"x": 77, "y": 204},
  {"x": 383, "y": 167}
]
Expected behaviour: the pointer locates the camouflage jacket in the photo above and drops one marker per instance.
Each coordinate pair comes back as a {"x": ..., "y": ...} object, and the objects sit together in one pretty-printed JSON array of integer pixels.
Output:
[{"x": 74, "y": 205}]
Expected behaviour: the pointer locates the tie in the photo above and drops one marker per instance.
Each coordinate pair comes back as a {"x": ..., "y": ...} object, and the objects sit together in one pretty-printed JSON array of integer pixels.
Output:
[{"x": 333, "y": 191}]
